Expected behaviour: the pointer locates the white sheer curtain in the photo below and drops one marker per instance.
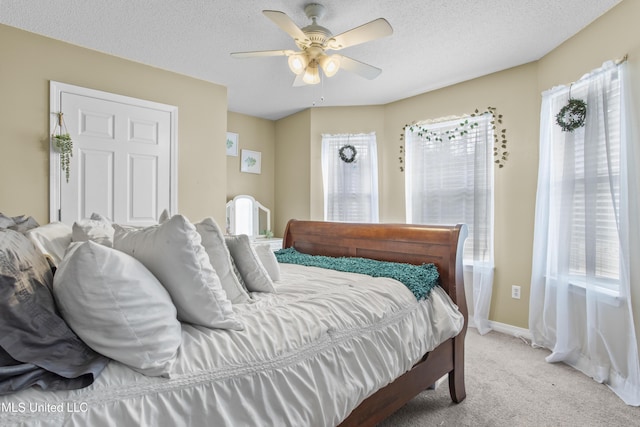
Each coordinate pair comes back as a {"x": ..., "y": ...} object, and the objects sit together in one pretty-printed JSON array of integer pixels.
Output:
[
  {"x": 350, "y": 188},
  {"x": 449, "y": 182},
  {"x": 580, "y": 304}
]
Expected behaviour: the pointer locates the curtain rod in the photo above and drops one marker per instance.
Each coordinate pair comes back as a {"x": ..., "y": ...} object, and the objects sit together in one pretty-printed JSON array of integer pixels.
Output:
[
  {"x": 447, "y": 119},
  {"x": 438, "y": 120},
  {"x": 615, "y": 61},
  {"x": 564, "y": 86},
  {"x": 621, "y": 60}
]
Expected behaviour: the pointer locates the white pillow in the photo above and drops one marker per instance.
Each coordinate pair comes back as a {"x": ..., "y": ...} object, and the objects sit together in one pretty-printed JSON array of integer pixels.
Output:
[
  {"x": 118, "y": 308},
  {"x": 268, "y": 260},
  {"x": 173, "y": 252},
  {"x": 98, "y": 231},
  {"x": 253, "y": 273},
  {"x": 98, "y": 217},
  {"x": 220, "y": 258},
  {"x": 164, "y": 216},
  {"x": 234, "y": 267},
  {"x": 51, "y": 239}
]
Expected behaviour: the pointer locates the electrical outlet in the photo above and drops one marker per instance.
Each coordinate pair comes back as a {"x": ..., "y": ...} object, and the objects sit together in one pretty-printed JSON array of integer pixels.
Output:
[{"x": 515, "y": 291}]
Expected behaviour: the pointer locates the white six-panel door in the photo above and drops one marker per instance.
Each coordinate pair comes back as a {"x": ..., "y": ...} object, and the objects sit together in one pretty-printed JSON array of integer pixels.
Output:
[{"x": 123, "y": 164}]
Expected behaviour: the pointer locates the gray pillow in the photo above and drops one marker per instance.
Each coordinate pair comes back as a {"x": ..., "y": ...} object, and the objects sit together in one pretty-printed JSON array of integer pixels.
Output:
[
  {"x": 37, "y": 345},
  {"x": 268, "y": 259},
  {"x": 214, "y": 244},
  {"x": 19, "y": 223},
  {"x": 255, "y": 276}
]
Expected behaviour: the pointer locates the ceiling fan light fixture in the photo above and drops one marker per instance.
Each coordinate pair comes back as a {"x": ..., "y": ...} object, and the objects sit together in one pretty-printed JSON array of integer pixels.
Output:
[
  {"x": 298, "y": 63},
  {"x": 314, "y": 40},
  {"x": 311, "y": 75},
  {"x": 330, "y": 64}
]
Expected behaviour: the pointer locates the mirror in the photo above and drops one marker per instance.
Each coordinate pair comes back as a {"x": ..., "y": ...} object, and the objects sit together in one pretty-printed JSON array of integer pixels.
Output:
[{"x": 245, "y": 215}]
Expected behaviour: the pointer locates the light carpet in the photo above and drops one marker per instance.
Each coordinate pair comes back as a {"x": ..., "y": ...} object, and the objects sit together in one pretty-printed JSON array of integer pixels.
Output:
[{"x": 509, "y": 384}]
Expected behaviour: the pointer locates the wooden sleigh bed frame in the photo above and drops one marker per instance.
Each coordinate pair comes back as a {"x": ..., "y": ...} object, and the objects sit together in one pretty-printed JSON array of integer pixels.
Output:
[{"x": 414, "y": 244}]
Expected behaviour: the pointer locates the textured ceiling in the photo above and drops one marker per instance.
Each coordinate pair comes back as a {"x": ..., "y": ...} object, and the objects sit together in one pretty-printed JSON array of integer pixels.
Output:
[{"x": 435, "y": 43}]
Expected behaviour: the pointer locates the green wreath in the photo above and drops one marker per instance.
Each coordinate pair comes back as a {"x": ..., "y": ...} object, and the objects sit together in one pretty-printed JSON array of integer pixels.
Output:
[
  {"x": 348, "y": 153},
  {"x": 572, "y": 115}
]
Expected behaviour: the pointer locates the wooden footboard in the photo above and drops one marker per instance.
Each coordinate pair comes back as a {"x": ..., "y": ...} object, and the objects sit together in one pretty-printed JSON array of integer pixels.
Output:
[{"x": 414, "y": 244}]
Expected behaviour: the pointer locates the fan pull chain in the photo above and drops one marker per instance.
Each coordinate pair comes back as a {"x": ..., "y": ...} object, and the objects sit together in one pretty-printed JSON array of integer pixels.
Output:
[{"x": 313, "y": 103}]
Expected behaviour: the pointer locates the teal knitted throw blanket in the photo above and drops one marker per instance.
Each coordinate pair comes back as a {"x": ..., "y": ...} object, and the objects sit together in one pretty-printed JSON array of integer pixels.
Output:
[{"x": 420, "y": 279}]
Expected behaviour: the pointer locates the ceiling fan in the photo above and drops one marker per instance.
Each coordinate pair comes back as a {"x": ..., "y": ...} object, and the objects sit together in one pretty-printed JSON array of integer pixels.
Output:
[{"x": 315, "y": 40}]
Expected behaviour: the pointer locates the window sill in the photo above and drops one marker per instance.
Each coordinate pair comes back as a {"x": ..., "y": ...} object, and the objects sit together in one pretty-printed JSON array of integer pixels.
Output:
[
  {"x": 602, "y": 293},
  {"x": 468, "y": 267}
]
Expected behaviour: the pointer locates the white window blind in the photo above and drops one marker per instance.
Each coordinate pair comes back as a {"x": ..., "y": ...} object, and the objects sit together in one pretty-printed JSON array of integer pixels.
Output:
[
  {"x": 350, "y": 189},
  {"x": 448, "y": 182},
  {"x": 586, "y": 177}
]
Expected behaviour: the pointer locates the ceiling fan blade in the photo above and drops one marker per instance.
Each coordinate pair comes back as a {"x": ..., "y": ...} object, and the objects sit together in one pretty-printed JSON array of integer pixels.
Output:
[
  {"x": 375, "y": 29},
  {"x": 259, "y": 53},
  {"x": 365, "y": 70},
  {"x": 286, "y": 24}
]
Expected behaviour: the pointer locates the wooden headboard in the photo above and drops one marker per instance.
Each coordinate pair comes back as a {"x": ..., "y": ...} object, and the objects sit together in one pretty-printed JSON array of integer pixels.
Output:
[{"x": 414, "y": 244}]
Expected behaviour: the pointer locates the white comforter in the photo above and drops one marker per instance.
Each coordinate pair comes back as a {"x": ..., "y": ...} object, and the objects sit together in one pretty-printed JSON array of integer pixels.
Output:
[{"x": 307, "y": 357}]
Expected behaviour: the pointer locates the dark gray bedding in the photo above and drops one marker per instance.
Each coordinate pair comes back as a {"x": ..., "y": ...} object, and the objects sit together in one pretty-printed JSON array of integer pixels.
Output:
[{"x": 36, "y": 345}]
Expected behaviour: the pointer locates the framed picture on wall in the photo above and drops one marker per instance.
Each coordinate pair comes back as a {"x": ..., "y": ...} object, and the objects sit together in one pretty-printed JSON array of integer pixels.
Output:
[
  {"x": 232, "y": 144},
  {"x": 250, "y": 161}
]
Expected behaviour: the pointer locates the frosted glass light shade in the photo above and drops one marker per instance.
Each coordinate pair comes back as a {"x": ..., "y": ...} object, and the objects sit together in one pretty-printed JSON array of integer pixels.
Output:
[
  {"x": 311, "y": 75},
  {"x": 297, "y": 63},
  {"x": 330, "y": 64}
]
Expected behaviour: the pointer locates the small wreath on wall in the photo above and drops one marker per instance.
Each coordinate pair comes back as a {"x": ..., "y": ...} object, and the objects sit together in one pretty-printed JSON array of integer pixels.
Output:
[
  {"x": 572, "y": 115},
  {"x": 347, "y": 153}
]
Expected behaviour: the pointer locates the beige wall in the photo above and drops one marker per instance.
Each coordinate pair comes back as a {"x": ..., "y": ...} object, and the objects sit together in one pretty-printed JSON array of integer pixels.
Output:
[
  {"x": 293, "y": 154},
  {"x": 30, "y": 61},
  {"x": 516, "y": 95},
  {"x": 257, "y": 135}
]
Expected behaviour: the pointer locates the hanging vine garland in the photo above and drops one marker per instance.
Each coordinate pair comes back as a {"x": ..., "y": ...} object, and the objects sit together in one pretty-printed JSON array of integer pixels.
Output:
[
  {"x": 572, "y": 115},
  {"x": 63, "y": 143},
  {"x": 449, "y": 135},
  {"x": 348, "y": 153},
  {"x": 500, "y": 152}
]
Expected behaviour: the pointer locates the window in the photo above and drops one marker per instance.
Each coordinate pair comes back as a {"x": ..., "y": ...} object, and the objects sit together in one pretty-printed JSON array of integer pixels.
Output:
[
  {"x": 449, "y": 180},
  {"x": 351, "y": 181},
  {"x": 584, "y": 178},
  {"x": 594, "y": 197}
]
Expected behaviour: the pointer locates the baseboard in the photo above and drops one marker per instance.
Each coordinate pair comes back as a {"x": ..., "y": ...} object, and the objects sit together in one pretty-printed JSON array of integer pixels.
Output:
[{"x": 504, "y": 328}]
